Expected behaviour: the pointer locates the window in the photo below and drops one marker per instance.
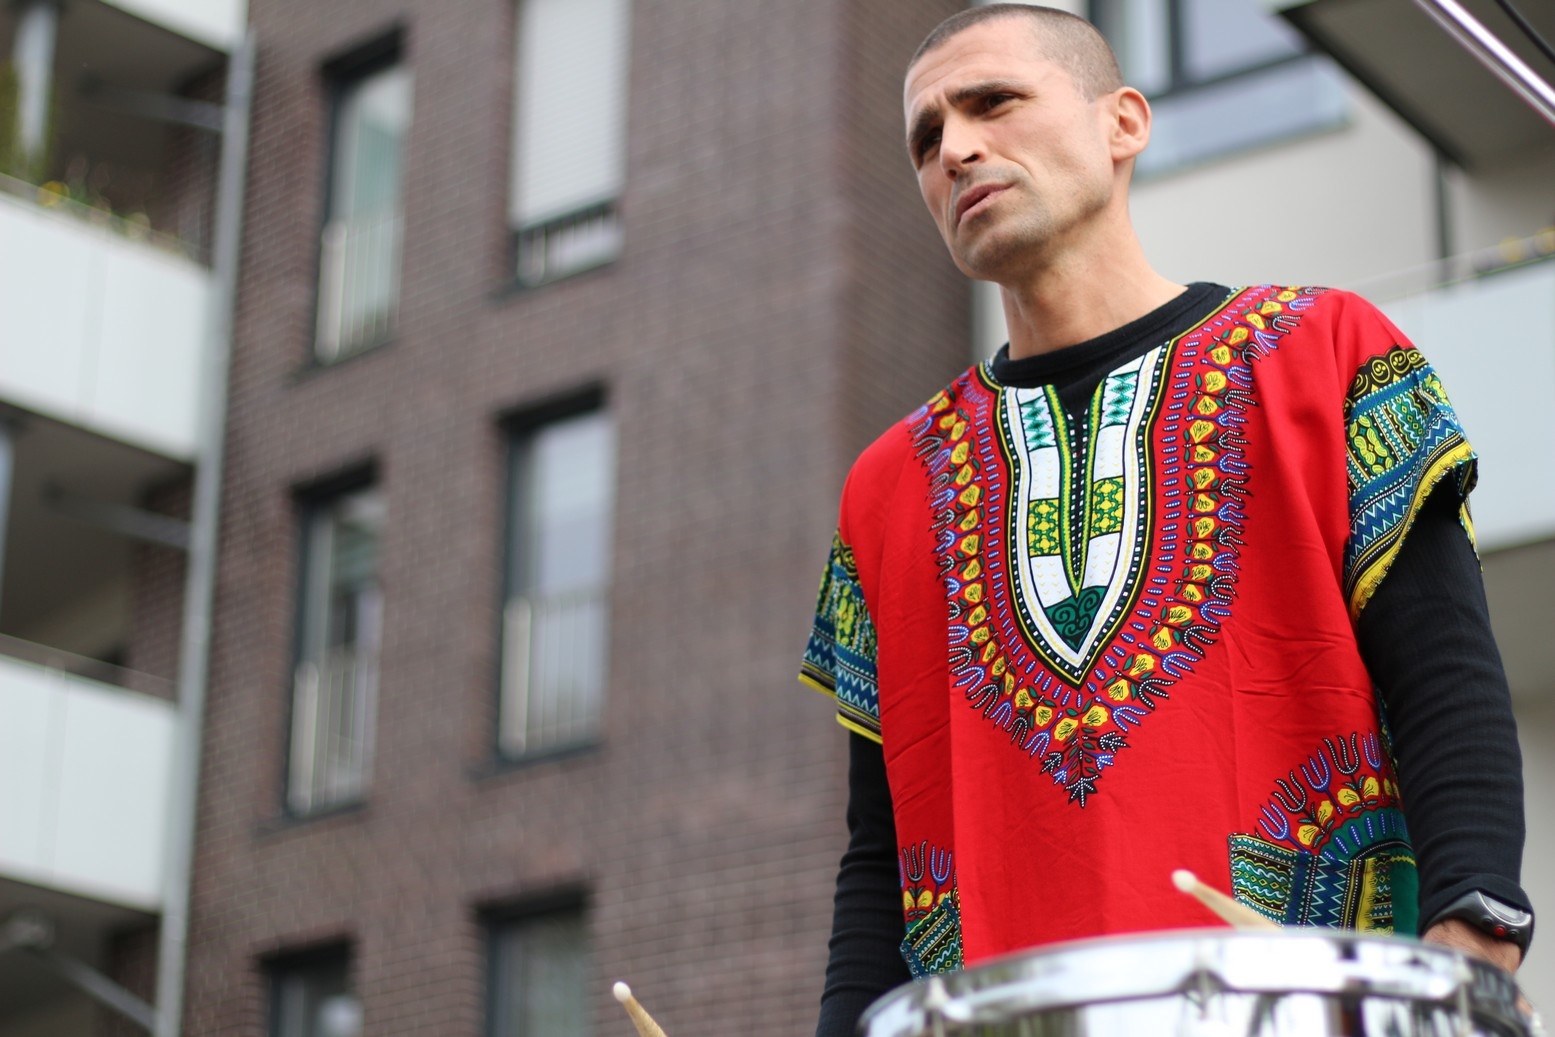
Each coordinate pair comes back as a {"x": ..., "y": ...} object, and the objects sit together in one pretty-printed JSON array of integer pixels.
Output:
[
  {"x": 339, "y": 621},
  {"x": 359, "y": 252},
  {"x": 541, "y": 976},
  {"x": 310, "y": 996},
  {"x": 1222, "y": 75},
  {"x": 558, "y": 576},
  {"x": 569, "y": 140}
]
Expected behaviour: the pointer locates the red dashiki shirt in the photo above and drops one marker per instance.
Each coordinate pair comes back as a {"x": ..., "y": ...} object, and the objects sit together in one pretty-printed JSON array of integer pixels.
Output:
[{"x": 1097, "y": 651}]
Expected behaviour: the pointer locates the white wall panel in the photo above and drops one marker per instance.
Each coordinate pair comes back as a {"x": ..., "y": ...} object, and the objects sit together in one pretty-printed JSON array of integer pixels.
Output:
[
  {"x": 1337, "y": 208},
  {"x": 1493, "y": 342},
  {"x": 144, "y": 384},
  {"x": 25, "y": 705},
  {"x": 100, "y": 331},
  {"x": 85, "y": 772},
  {"x": 47, "y": 309}
]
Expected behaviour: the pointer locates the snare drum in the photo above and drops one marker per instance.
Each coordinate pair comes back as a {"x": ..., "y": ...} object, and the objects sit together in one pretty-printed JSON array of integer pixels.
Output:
[{"x": 1214, "y": 983}]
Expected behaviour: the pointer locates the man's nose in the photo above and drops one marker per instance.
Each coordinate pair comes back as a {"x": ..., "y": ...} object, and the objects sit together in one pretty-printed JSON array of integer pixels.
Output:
[{"x": 960, "y": 147}]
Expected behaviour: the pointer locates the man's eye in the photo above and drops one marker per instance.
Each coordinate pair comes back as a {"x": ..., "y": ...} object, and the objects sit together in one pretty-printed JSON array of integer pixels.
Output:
[
  {"x": 995, "y": 100},
  {"x": 927, "y": 142}
]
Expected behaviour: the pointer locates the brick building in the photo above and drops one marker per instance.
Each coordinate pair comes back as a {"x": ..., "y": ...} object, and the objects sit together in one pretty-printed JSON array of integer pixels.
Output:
[
  {"x": 557, "y": 326},
  {"x": 705, "y": 318}
]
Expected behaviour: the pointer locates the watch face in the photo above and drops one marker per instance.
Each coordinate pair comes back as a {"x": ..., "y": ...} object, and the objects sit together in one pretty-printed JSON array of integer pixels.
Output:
[{"x": 1493, "y": 918}]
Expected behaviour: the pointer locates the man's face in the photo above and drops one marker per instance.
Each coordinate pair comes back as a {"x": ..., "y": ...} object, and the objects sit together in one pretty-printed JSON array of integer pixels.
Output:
[{"x": 1013, "y": 161}]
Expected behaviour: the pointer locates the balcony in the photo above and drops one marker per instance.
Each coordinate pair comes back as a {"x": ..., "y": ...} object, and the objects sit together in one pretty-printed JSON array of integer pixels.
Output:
[
  {"x": 85, "y": 765},
  {"x": 1397, "y": 52},
  {"x": 98, "y": 329},
  {"x": 107, "y": 199},
  {"x": 1492, "y": 338}
]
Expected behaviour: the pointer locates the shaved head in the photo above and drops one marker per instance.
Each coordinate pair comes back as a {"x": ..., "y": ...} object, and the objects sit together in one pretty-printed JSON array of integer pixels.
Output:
[{"x": 1062, "y": 38}]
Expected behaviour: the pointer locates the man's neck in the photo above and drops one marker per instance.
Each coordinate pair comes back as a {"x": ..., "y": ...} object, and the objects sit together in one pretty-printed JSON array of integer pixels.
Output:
[{"x": 1066, "y": 303}]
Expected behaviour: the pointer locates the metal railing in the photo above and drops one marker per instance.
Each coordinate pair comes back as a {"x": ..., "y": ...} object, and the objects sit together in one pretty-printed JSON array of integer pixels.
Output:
[
  {"x": 570, "y": 243},
  {"x": 553, "y": 670},
  {"x": 54, "y": 197},
  {"x": 69, "y": 663},
  {"x": 359, "y": 275},
  {"x": 333, "y": 705}
]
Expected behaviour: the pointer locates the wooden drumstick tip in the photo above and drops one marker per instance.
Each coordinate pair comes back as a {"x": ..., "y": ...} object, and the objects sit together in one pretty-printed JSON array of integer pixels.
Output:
[
  {"x": 646, "y": 1027},
  {"x": 1233, "y": 912}
]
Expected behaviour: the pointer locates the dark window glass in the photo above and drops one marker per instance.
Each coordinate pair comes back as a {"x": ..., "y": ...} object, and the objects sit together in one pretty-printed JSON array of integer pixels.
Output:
[
  {"x": 542, "y": 975},
  {"x": 339, "y": 626},
  {"x": 554, "y": 619},
  {"x": 311, "y": 997}
]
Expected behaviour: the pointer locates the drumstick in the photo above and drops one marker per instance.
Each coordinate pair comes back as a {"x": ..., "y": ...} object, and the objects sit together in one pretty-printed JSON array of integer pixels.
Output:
[
  {"x": 1232, "y": 912},
  {"x": 646, "y": 1027}
]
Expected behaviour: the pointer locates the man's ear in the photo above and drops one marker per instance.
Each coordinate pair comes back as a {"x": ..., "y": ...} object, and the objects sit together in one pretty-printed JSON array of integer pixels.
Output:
[{"x": 1130, "y": 123}]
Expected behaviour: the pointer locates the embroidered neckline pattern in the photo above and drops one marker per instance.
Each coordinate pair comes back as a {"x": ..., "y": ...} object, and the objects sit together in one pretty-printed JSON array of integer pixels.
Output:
[
  {"x": 1079, "y": 538},
  {"x": 1186, "y": 421}
]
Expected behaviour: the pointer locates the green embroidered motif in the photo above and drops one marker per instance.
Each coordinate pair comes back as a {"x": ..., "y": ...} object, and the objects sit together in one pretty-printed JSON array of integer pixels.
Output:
[
  {"x": 1106, "y": 510},
  {"x": 1118, "y": 397},
  {"x": 1073, "y": 617},
  {"x": 934, "y": 943},
  {"x": 1038, "y": 423},
  {"x": 1042, "y": 527}
]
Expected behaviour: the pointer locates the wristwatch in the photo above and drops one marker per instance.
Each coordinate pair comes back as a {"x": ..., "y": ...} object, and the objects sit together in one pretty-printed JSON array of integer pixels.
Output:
[{"x": 1491, "y": 917}]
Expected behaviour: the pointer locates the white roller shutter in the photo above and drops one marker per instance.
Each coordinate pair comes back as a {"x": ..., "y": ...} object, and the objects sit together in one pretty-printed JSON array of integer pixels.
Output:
[{"x": 569, "y": 141}]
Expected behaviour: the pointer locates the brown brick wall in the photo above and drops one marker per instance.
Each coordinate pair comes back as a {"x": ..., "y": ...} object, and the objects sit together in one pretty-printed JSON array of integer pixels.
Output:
[
  {"x": 157, "y": 576},
  {"x": 781, "y": 298}
]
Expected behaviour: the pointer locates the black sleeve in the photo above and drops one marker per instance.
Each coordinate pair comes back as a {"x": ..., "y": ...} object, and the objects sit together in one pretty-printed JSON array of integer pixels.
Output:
[
  {"x": 1426, "y": 638},
  {"x": 865, "y": 959}
]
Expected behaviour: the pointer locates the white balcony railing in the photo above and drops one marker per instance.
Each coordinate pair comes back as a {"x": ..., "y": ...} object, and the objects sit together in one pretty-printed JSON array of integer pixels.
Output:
[
  {"x": 359, "y": 264},
  {"x": 333, "y": 707},
  {"x": 85, "y": 769},
  {"x": 1492, "y": 339},
  {"x": 553, "y": 670},
  {"x": 99, "y": 330},
  {"x": 569, "y": 244}
]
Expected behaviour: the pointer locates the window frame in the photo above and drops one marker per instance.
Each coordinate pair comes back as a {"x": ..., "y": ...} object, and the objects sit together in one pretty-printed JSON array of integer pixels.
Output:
[
  {"x": 604, "y": 212},
  {"x": 288, "y": 964},
  {"x": 518, "y": 428},
  {"x": 308, "y": 502},
  {"x": 1181, "y": 84},
  {"x": 497, "y": 921},
  {"x": 339, "y": 74}
]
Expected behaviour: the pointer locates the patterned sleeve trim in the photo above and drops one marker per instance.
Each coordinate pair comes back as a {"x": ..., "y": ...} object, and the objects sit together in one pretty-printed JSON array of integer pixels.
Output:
[
  {"x": 1402, "y": 438},
  {"x": 839, "y": 659}
]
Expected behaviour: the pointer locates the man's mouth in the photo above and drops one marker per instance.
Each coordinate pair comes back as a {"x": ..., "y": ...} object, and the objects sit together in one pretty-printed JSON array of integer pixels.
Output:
[{"x": 975, "y": 199}]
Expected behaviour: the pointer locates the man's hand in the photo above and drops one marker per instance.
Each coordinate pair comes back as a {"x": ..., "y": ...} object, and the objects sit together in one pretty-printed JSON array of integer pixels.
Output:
[{"x": 1461, "y": 936}]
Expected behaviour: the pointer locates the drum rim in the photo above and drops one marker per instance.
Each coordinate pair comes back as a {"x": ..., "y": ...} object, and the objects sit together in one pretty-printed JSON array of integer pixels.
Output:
[{"x": 1480, "y": 978}]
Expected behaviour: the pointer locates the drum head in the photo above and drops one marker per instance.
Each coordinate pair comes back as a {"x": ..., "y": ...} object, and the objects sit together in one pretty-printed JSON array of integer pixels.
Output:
[{"x": 1214, "y": 983}]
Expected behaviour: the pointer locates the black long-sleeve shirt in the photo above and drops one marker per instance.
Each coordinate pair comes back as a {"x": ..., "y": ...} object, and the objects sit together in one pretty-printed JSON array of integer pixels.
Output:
[{"x": 1425, "y": 637}]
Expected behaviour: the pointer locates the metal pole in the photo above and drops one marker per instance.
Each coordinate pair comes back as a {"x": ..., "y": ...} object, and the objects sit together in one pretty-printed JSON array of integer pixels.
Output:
[
  {"x": 1493, "y": 54},
  {"x": 200, "y": 583}
]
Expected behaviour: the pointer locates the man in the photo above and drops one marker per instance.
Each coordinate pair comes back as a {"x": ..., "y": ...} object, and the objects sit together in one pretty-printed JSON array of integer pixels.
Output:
[{"x": 1167, "y": 525}]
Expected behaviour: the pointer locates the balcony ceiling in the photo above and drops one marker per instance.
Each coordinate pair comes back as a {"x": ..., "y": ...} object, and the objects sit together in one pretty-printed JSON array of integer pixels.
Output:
[
  {"x": 82, "y": 930},
  {"x": 101, "y": 44},
  {"x": 1398, "y": 52}
]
